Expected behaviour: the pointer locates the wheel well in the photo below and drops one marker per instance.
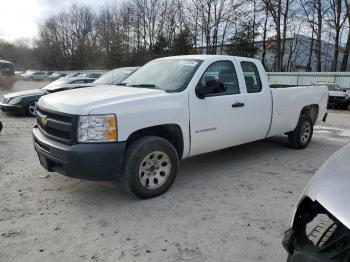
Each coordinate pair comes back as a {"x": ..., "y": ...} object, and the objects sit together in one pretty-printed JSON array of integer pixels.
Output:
[
  {"x": 311, "y": 110},
  {"x": 170, "y": 132}
]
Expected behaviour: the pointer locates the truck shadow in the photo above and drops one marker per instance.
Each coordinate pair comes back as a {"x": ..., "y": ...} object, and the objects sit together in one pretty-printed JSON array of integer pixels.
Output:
[
  {"x": 244, "y": 162},
  {"x": 191, "y": 169}
]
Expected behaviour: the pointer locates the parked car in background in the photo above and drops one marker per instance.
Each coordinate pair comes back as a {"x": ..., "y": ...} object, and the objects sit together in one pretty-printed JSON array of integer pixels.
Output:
[
  {"x": 113, "y": 77},
  {"x": 91, "y": 75},
  {"x": 24, "y": 102},
  {"x": 320, "y": 227},
  {"x": 94, "y": 75},
  {"x": 170, "y": 109},
  {"x": 73, "y": 74},
  {"x": 56, "y": 76},
  {"x": 27, "y": 74},
  {"x": 39, "y": 76},
  {"x": 19, "y": 73},
  {"x": 338, "y": 97}
]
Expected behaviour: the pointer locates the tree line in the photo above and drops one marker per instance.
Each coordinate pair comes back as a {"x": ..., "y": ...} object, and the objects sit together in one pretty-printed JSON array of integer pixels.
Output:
[{"x": 136, "y": 31}]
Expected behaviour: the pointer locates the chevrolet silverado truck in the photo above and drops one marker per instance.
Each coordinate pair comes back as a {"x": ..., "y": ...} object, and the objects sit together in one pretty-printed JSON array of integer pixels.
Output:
[{"x": 170, "y": 109}]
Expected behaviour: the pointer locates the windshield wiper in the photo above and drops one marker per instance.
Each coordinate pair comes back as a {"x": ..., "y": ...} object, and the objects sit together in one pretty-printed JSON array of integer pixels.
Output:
[
  {"x": 143, "y": 85},
  {"x": 121, "y": 84}
]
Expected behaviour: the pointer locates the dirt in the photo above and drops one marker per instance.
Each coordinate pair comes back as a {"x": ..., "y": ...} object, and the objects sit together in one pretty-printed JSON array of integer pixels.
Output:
[{"x": 230, "y": 205}]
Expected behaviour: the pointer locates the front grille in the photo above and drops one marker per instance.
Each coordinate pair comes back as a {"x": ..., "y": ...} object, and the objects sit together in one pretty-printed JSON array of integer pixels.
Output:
[{"x": 60, "y": 127}]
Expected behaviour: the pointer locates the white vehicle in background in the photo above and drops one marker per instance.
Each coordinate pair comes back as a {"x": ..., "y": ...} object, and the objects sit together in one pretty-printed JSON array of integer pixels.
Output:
[
  {"x": 56, "y": 76},
  {"x": 27, "y": 74},
  {"x": 91, "y": 75},
  {"x": 115, "y": 76},
  {"x": 39, "y": 76},
  {"x": 170, "y": 109},
  {"x": 320, "y": 228},
  {"x": 73, "y": 74},
  {"x": 338, "y": 97}
]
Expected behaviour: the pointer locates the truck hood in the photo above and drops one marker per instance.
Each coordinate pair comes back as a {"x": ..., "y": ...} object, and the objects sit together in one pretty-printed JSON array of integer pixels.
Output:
[
  {"x": 330, "y": 186},
  {"x": 83, "y": 101},
  {"x": 32, "y": 92}
]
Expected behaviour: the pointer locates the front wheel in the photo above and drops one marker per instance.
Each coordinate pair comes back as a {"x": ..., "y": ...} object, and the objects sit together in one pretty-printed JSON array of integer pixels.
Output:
[
  {"x": 302, "y": 134},
  {"x": 31, "y": 108},
  {"x": 326, "y": 242},
  {"x": 150, "y": 167}
]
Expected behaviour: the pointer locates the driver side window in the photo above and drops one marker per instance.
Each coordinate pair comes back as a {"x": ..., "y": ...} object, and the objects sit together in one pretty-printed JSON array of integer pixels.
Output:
[{"x": 225, "y": 72}]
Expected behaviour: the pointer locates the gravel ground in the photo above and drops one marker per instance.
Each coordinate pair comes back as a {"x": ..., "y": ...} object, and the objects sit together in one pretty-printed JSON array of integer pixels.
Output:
[{"x": 230, "y": 205}]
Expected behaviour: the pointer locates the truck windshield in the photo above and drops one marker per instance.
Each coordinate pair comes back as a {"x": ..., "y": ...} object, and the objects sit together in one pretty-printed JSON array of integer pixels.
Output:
[{"x": 170, "y": 75}]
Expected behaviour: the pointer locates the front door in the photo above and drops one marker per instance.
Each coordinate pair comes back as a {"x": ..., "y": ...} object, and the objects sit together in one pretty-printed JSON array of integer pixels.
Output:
[{"x": 218, "y": 120}]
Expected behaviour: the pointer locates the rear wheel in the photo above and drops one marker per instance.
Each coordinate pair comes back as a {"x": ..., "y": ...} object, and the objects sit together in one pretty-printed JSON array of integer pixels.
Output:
[
  {"x": 150, "y": 167},
  {"x": 302, "y": 135},
  {"x": 31, "y": 108}
]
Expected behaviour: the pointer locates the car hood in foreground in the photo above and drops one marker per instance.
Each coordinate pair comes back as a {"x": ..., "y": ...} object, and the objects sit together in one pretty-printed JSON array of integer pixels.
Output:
[
  {"x": 33, "y": 92},
  {"x": 83, "y": 100},
  {"x": 330, "y": 186}
]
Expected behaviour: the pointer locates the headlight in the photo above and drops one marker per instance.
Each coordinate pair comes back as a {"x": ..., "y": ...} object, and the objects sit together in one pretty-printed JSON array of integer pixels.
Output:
[
  {"x": 97, "y": 128},
  {"x": 14, "y": 100}
]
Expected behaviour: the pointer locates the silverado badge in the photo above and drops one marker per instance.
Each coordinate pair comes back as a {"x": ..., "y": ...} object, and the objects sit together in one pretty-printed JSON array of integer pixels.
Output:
[{"x": 43, "y": 120}]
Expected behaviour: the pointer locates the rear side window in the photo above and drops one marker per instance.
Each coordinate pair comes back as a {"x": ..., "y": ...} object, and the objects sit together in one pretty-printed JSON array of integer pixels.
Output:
[{"x": 251, "y": 77}]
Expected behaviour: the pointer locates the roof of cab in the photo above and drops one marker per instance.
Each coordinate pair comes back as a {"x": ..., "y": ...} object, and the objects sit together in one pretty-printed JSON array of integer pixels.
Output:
[{"x": 208, "y": 57}]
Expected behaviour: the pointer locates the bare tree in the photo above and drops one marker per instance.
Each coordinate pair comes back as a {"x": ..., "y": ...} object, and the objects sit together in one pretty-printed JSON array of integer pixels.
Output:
[
  {"x": 335, "y": 21},
  {"x": 347, "y": 46}
]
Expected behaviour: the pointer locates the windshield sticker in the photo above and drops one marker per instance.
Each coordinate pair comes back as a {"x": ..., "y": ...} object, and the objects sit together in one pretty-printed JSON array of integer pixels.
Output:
[{"x": 188, "y": 63}]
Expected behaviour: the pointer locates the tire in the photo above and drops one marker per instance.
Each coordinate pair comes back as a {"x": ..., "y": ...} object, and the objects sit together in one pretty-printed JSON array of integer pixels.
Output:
[
  {"x": 322, "y": 233},
  {"x": 302, "y": 134},
  {"x": 31, "y": 109},
  {"x": 150, "y": 167},
  {"x": 329, "y": 241}
]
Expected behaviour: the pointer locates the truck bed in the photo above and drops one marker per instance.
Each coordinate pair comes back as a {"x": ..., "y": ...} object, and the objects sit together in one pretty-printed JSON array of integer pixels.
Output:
[{"x": 288, "y": 101}]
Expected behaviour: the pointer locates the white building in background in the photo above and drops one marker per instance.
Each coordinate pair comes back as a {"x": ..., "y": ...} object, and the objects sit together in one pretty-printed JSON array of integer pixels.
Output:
[{"x": 297, "y": 55}]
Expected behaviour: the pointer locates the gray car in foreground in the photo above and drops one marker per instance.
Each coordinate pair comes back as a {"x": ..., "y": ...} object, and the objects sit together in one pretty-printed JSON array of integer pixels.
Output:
[{"x": 321, "y": 221}]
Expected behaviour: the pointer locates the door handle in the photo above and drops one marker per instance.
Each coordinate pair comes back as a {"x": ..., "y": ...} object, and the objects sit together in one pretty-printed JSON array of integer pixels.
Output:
[{"x": 238, "y": 104}]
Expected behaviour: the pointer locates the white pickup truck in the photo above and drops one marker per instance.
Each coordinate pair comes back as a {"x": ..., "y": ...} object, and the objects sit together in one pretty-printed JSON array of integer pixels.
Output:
[{"x": 170, "y": 109}]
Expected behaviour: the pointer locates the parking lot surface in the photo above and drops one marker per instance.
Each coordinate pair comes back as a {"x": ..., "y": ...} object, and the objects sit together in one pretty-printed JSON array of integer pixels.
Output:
[{"x": 230, "y": 205}]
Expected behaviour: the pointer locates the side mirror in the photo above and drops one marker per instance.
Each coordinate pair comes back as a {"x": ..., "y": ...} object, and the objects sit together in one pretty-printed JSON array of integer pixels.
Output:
[{"x": 212, "y": 87}]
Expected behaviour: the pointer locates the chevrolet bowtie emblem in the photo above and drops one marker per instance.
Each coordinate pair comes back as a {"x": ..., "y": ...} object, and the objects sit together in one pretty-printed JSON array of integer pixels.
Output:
[{"x": 43, "y": 120}]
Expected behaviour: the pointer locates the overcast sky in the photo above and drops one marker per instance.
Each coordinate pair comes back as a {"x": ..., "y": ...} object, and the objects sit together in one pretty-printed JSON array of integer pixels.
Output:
[{"x": 21, "y": 18}]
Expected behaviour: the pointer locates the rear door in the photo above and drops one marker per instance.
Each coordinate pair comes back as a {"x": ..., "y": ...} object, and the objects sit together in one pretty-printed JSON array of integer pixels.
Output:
[{"x": 258, "y": 99}]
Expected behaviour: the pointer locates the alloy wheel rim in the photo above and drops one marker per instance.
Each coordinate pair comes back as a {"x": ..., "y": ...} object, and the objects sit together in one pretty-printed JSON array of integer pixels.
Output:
[
  {"x": 32, "y": 108},
  {"x": 305, "y": 132},
  {"x": 154, "y": 170}
]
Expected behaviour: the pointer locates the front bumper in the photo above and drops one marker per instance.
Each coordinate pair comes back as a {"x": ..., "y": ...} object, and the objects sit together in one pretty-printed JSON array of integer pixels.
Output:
[
  {"x": 338, "y": 101},
  {"x": 86, "y": 161},
  {"x": 14, "y": 109}
]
